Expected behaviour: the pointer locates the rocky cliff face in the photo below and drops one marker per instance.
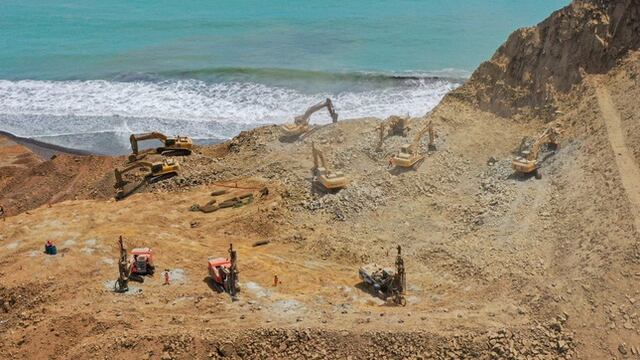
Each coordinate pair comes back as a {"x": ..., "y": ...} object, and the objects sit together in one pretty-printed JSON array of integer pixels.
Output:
[{"x": 526, "y": 73}]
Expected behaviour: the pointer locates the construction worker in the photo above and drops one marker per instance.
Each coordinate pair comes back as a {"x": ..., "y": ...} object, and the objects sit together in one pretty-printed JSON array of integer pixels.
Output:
[
  {"x": 275, "y": 280},
  {"x": 2, "y": 213},
  {"x": 166, "y": 277}
]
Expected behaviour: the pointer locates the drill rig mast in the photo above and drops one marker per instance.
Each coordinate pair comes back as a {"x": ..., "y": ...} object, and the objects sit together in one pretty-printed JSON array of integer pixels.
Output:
[
  {"x": 232, "y": 278},
  {"x": 122, "y": 284}
]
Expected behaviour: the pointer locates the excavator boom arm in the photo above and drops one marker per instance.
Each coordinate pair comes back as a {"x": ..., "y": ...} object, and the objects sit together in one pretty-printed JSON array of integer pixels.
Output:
[
  {"x": 118, "y": 173},
  {"x": 416, "y": 141},
  {"x": 133, "y": 139},
  {"x": 304, "y": 118},
  {"x": 548, "y": 136},
  {"x": 318, "y": 157}
]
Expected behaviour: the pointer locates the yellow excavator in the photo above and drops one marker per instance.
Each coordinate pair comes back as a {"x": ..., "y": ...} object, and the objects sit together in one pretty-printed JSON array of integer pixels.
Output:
[
  {"x": 177, "y": 145},
  {"x": 330, "y": 180},
  {"x": 528, "y": 161},
  {"x": 301, "y": 122},
  {"x": 393, "y": 125},
  {"x": 409, "y": 155},
  {"x": 156, "y": 172}
]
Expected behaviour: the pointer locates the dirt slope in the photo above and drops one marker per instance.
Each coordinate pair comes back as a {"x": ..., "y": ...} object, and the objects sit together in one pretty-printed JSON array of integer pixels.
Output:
[
  {"x": 627, "y": 166},
  {"x": 64, "y": 177}
]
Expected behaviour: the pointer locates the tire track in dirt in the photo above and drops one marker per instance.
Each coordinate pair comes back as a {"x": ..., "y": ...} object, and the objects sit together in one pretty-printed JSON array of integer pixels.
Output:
[{"x": 628, "y": 169}]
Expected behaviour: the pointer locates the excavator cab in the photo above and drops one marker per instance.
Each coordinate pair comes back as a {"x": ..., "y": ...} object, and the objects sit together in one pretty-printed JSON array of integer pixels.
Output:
[
  {"x": 405, "y": 150},
  {"x": 331, "y": 180},
  {"x": 178, "y": 143},
  {"x": 406, "y": 158}
]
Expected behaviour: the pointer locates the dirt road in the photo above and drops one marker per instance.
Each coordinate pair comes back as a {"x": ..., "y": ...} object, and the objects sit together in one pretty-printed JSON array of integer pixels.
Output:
[{"x": 629, "y": 170}]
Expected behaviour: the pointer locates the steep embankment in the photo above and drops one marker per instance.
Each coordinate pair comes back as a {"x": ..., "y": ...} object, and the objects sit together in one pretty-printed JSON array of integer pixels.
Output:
[
  {"x": 27, "y": 181},
  {"x": 537, "y": 64}
]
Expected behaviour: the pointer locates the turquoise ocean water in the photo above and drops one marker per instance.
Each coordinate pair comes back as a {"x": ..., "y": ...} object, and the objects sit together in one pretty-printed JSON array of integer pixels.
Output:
[{"x": 93, "y": 71}]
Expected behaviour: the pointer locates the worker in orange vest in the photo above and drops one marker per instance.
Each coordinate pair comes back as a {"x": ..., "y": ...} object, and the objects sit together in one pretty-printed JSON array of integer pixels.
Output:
[{"x": 166, "y": 277}]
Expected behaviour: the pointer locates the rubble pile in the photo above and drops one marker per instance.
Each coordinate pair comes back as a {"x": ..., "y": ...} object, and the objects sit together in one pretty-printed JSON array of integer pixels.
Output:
[
  {"x": 541, "y": 342},
  {"x": 348, "y": 202}
]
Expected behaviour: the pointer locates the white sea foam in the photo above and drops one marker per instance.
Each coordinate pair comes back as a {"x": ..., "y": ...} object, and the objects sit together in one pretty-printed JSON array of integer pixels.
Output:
[{"x": 207, "y": 110}]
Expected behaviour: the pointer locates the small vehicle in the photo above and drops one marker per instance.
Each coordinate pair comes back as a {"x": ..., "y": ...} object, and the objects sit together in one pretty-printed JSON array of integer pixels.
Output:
[
  {"x": 385, "y": 282},
  {"x": 224, "y": 273},
  {"x": 142, "y": 263}
]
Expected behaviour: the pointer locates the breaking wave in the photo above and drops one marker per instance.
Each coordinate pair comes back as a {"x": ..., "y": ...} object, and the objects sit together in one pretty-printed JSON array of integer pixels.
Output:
[{"x": 200, "y": 108}]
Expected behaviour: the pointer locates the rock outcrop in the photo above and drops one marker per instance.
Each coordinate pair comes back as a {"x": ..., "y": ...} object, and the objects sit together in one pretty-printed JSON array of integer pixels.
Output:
[{"x": 535, "y": 64}]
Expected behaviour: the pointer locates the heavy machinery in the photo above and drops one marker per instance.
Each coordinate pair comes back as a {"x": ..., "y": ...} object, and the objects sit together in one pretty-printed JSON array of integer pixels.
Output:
[
  {"x": 142, "y": 263},
  {"x": 329, "y": 180},
  {"x": 393, "y": 125},
  {"x": 177, "y": 145},
  {"x": 224, "y": 273},
  {"x": 385, "y": 282},
  {"x": 156, "y": 172},
  {"x": 301, "y": 122},
  {"x": 527, "y": 162},
  {"x": 122, "y": 284},
  {"x": 409, "y": 155}
]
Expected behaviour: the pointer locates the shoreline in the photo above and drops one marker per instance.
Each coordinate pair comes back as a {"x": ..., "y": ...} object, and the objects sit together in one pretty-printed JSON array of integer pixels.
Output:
[{"x": 45, "y": 150}]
